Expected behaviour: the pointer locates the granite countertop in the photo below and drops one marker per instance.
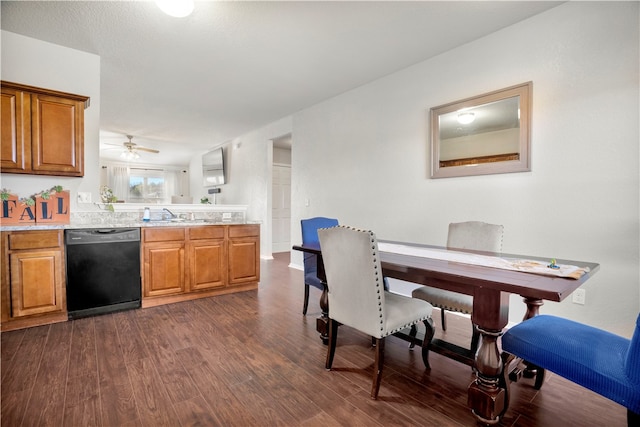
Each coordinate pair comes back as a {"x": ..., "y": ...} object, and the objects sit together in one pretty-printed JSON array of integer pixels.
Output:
[
  {"x": 124, "y": 224},
  {"x": 133, "y": 219}
]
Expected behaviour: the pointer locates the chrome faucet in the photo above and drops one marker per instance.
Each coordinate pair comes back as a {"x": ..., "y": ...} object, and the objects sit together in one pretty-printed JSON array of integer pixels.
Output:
[{"x": 171, "y": 214}]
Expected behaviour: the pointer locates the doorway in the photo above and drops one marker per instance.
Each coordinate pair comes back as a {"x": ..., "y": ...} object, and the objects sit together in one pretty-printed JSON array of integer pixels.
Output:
[{"x": 281, "y": 195}]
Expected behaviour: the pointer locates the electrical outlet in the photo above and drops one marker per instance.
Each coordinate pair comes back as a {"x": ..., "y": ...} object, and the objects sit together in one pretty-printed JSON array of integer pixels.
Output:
[
  {"x": 84, "y": 197},
  {"x": 579, "y": 296}
]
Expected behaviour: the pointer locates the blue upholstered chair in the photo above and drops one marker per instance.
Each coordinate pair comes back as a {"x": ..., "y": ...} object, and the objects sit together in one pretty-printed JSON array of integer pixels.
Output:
[
  {"x": 310, "y": 235},
  {"x": 598, "y": 360},
  {"x": 357, "y": 298}
]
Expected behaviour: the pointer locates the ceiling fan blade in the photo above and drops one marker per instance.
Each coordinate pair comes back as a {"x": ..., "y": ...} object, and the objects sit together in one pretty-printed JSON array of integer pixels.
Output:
[{"x": 149, "y": 150}]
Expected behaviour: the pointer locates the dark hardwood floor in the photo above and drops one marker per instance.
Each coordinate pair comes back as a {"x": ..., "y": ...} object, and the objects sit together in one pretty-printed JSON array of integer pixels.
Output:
[{"x": 251, "y": 359}]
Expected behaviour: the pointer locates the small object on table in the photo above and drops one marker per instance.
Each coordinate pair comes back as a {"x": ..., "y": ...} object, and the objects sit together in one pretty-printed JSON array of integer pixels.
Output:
[{"x": 553, "y": 264}]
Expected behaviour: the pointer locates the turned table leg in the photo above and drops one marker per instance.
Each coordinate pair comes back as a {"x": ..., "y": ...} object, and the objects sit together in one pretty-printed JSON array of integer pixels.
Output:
[
  {"x": 487, "y": 395},
  {"x": 533, "y": 307},
  {"x": 487, "y": 398},
  {"x": 322, "y": 322},
  {"x": 531, "y": 371}
]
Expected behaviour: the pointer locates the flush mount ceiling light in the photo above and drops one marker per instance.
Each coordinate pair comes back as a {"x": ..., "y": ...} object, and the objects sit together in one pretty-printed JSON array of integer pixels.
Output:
[
  {"x": 466, "y": 118},
  {"x": 176, "y": 8}
]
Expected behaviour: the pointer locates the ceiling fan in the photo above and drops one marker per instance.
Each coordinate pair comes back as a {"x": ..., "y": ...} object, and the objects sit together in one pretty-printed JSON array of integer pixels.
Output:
[{"x": 131, "y": 149}]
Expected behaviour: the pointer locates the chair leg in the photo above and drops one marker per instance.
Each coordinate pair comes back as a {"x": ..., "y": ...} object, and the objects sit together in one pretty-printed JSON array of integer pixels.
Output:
[
  {"x": 331, "y": 348},
  {"x": 633, "y": 419},
  {"x": 428, "y": 336},
  {"x": 306, "y": 300},
  {"x": 377, "y": 369},
  {"x": 539, "y": 378},
  {"x": 412, "y": 333},
  {"x": 443, "y": 321}
]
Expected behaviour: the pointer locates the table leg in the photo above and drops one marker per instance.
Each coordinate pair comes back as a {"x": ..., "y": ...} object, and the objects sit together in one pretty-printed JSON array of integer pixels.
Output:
[
  {"x": 486, "y": 397},
  {"x": 322, "y": 322},
  {"x": 533, "y": 307},
  {"x": 530, "y": 370},
  {"x": 488, "y": 394}
]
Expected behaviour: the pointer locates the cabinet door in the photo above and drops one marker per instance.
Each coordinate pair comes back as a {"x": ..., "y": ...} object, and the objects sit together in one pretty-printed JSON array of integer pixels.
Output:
[
  {"x": 15, "y": 110},
  {"x": 163, "y": 269},
  {"x": 57, "y": 133},
  {"x": 207, "y": 262},
  {"x": 244, "y": 264},
  {"x": 36, "y": 282}
]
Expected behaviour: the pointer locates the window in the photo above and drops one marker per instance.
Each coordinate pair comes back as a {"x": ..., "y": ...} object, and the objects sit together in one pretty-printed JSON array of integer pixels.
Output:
[
  {"x": 141, "y": 185},
  {"x": 146, "y": 186}
]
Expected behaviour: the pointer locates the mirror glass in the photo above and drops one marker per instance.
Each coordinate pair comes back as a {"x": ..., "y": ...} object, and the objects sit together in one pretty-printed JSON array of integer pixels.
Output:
[{"x": 485, "y": 134}]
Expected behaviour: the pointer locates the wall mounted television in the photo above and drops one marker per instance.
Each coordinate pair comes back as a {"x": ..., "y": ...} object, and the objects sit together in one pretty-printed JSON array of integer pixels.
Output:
[{"x": 213, "y": 168}]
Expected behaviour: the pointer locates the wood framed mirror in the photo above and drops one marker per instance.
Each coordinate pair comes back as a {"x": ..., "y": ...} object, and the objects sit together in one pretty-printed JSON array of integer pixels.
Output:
[{"x": 484, "y": 134}]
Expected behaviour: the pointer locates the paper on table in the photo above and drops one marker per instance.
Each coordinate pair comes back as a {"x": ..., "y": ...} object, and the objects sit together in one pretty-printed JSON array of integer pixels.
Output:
[{"x": 527, "y": 266}]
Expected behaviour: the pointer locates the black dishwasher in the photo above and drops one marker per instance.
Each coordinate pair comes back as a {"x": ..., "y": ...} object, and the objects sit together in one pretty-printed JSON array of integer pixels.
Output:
[{"x": 103, "y": 271}]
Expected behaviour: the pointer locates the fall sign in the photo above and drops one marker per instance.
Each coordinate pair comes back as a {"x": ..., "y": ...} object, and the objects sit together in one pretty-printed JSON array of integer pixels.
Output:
[{"x": 48, "y": 207}]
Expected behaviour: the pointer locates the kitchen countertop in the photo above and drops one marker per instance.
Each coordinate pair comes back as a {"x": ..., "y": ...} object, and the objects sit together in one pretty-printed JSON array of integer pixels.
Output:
[
  {"x": 184, "y": 216},
  {"x": 127, "y": 224}
]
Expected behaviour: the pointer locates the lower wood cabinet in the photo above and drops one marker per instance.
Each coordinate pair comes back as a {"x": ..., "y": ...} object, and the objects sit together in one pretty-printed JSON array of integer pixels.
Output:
[
  {"x": 207, "y": 258},
  {"x": 178, "y": 263},
  {"x": 33, "y": 278},
  {"x": 244, "y": 254},
  {"x": 163, "y": 267},
  {"x": 192, "y": 262}
]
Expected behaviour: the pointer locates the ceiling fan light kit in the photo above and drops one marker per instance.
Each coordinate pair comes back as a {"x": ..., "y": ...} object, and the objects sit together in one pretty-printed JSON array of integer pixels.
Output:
[
  {"x": 131, "y": 149},
  {"x": 129, "y": 155}
]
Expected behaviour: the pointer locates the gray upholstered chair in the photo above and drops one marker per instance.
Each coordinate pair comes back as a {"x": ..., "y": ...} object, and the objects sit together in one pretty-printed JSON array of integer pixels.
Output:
[
  {"x": 357, "y": 297},
  {"x": 472, "y": 235}
]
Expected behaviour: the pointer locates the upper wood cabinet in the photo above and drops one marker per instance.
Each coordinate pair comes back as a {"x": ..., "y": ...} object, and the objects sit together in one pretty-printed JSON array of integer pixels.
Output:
[{"x": 42, "y": 131}]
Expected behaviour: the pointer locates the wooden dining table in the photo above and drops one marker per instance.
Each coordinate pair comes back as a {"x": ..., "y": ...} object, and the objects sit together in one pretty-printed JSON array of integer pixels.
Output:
[{"x": 490, "y": 288}]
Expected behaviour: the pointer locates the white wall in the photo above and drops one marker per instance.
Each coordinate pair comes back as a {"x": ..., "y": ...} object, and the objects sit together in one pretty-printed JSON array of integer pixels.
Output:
[
  {"x": 248, "y": 167},
  {"x": 363, "y": 156},
  {"x": 36, "y": 63}
]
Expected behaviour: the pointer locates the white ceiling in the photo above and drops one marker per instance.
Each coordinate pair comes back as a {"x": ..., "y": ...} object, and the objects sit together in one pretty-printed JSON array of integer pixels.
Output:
[{"x": 178, "y": 84}]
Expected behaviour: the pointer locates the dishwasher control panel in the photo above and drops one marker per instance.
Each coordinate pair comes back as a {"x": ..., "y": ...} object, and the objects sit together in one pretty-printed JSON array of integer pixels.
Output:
[{"x": 98, "y": 235}]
